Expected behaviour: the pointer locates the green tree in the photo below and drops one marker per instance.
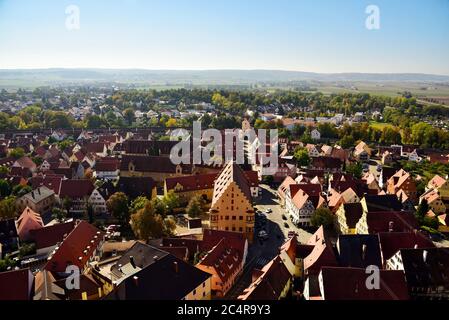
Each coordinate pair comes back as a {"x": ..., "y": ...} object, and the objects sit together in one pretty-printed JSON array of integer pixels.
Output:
[
  {"x": 147, "y": 224},
  {"x": 355, "y": 169},
  {"x": 422, "y": 211},
  {"x": 302, "y": 157},
  {"x": 137, "y": 204},
  {"x": 117, "y": 204},
  {"x": 195, "y": 207},
  {"x": 20, "y": 191},
  {"x": 171, "y": 201},
  {"x": 17, "y": 153},
  {"x": 8, "y": 207},
  {"x": 58, "y": 214},
  {"x": 128, "y": 114},
  {"x": 323, "y": 217},
  {"x": 5, "y": 188}
]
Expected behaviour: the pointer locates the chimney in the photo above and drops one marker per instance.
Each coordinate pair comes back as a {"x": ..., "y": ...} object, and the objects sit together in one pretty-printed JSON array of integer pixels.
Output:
[
  {"x": 131, "y": 260},
  {"x": 391, "y": 226},
  {"x": 175, "y": 264}
]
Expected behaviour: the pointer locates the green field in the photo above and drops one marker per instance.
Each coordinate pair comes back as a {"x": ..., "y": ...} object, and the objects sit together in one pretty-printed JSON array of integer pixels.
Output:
[{"x": 380, "y": 125}]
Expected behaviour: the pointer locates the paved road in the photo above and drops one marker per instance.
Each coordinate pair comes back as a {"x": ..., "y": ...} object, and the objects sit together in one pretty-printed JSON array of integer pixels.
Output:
[{"x": 260, "y": 253}]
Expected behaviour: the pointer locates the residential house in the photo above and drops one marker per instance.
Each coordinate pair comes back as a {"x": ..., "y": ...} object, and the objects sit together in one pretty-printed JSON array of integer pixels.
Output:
[
  {"x": 402, "y": 180},
  {"x": 271, "y": 283},
  {"x": 98, "y": 202},
  {"x": 302, "y": 201},
  {"x": 282, "y": 190},
  {"x": 224, "y": 260},
  {"x": 148, "y": 273},
  {"x": 441, "y": 185},
  {"x": 434, "y": 201},
  {"x": 25, "y": 163},
  {"x": 316, "y": 135},
  {"x": 327, "y": 164},
  {"x": 348, "y": 284},
  {"x": 28, "y": 221},
  {"x": 312, "y": 150},
  {"x": 47, "y": 238},
  {"x": 107, "y": 170},
  {"x": 40, "y": 200},
  {"x": 78, "y": 191},
  {"x": 391, "y": 242},
  {"x": 79, "y": 248},
  {"x": 358, "y": 251},
  {"x": 426, "y": 271}
]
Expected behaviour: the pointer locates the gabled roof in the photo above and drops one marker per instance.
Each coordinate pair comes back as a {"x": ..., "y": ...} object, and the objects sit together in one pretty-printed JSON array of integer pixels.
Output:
[
  {"x": 192, "y": 182},
  {"x": 382, "y": 203},
  {"x": 167, "y": 278},
  {"x": 39, "y": 194},
  {"x": 76, "y": 189},
  {"x": 353, "y": 213},
  {"x": 51, "y": 235},
  {"x": 397, "y": 221},
  {"x": 28, "y": 220},
  {"x": 358, "y": 251},
  {"x": 270, "y": 284},
  {"x": 391, "y": 242},
  {"x": 151, "y": 164},
  {"x": 285, "y": 185},
  {"x": 52, "y": 182},
  {"x": 76, "y": 249},
  {"x": 321, "y": 255},
  {"x": 426, "y": 267},
  {"x": 231, "y": 173},
  {"x": 135, "y": 187},
  {"x": 25, "y": 162},
  {"x": 436, "y": 182},
  {"x": 349, "y": 284}
]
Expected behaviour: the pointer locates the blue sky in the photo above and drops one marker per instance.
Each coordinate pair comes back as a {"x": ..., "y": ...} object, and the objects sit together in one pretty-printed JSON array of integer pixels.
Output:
[{"x": 304, "y": 35}]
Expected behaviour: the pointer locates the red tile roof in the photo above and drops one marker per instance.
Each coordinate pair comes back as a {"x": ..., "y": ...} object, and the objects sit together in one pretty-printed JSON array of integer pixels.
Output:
[
  {"x": 76, "y": 249},
  {"x": 391, "y": 242},
  {"x": 193, "y": 182},
  {"x": 349, "y": 284},
  {"x": 52, "y": 182},
  {"x": 51, "y": 235},
  {"x": 399, "y": 221},
  {"x": 16, "y": 285},
  {"x": 76, "y": 189}
]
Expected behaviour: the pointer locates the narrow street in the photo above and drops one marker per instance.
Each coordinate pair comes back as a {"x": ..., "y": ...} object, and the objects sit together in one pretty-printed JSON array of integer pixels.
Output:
[{"x": 262, "y": 252}]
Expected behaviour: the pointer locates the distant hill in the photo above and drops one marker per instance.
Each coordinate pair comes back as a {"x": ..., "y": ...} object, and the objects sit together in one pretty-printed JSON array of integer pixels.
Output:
[{"x": 231, "y": 77}]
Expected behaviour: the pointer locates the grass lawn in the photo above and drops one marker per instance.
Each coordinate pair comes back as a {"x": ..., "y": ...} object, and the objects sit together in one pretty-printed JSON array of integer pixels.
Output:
[{"x": 380, "y": 125}]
